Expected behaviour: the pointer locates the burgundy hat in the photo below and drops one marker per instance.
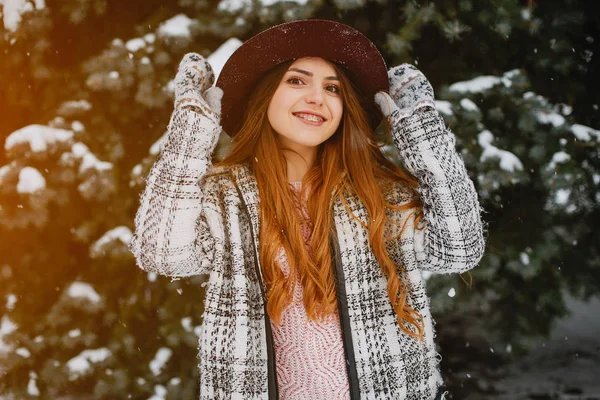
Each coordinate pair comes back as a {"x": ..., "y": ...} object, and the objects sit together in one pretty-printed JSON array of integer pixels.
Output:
[{"x": 330, "y": 40}]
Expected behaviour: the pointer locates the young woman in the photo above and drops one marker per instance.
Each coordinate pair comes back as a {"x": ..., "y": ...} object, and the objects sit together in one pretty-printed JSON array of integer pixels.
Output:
[{"x": 312, "y": 241}]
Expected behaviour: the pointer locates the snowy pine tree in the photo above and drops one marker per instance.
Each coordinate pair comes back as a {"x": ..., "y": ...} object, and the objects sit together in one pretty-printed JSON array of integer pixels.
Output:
[{"x": 85, "y": 98}]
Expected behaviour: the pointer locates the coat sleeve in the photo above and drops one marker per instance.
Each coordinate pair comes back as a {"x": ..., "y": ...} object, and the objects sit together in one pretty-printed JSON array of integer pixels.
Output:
[
  {"x": 174, "y": 234},
  {"x": 450, "y": 238}
]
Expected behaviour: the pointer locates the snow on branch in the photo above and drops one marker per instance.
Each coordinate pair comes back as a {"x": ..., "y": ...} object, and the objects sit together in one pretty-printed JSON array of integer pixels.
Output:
[
  {"x": 220, "y": 56},
  {"x": 160, "y": 359},
  {"x": 444, "y": 106},
  {"x": 508, "y": 161},
  {"x": 119, "y": 234},
  {"x": 178, "y": 26},
  {"x": 483, "y": 83},
  {"x": 80, "y": 151},
  {"x": 39, "y": 137},
  {"x": 7, "y": 326},
  {"x": 585, "y": 133},
  {"x": 82, "y": 364},
  {"x": 30, "y": 180},
  {"x": 83, "y": 290},
  {"x": 14, "y": 9}
]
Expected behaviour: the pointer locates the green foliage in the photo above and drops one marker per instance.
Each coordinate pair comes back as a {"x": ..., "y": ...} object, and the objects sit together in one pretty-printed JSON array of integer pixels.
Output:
[{"x": 80, "y": 320}]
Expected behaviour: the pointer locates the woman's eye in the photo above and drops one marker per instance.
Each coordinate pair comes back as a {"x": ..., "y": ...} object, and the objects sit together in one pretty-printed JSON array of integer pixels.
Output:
[
  {"x": 333, "y": 89},
  {"x": 295, "y": 81}
]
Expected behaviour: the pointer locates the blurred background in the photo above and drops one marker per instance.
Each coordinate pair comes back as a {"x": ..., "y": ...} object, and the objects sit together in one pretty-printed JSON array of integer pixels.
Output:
[{"x": 86, "y": 91}]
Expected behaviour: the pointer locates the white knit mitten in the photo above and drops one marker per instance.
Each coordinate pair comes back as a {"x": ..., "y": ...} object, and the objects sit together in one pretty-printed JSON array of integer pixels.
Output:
[
  {"x": 409, "y": 91},
  {"x": 197, "y": 112},
  {"x": 193, "y": 86}
]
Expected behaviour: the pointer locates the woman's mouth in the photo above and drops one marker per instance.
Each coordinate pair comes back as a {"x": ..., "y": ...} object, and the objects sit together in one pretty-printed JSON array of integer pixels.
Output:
[{"x": 311, "y": 119}]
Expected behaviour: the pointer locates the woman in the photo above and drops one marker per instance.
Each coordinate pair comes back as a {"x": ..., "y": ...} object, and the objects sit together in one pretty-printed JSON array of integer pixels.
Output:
[{"x": 313, "y": 242}]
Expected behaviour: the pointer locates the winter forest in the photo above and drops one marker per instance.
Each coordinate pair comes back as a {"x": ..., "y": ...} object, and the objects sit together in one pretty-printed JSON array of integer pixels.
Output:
[{"x": 86, "y": 91}]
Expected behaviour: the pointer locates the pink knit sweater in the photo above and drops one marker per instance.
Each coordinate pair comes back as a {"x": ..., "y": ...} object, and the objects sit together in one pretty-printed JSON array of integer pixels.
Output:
[{"x": 309, "y": 354}]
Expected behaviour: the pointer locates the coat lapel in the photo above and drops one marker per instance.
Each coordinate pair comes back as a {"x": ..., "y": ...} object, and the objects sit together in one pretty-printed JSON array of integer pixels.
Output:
[{"x": 248, "y": 188}]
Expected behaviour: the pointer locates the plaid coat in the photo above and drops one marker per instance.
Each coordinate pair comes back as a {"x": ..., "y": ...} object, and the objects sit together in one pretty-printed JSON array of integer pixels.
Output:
[{"x": 194, "y": 219}]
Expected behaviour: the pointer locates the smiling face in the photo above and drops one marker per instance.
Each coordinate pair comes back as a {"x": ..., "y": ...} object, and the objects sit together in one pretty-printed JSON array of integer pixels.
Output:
[{"x": 307, "y": 107}]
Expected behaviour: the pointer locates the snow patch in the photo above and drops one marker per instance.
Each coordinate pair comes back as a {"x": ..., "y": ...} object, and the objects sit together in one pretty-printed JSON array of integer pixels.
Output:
[
  {"x": 475, "y": 85},
  {"x": 186, "y": 323},
  {"x": 32, "y": 388},
  {"x": 558, "y": 158},
  {"x": 160, "y": 359},
  {"x": 220, "y": 56},
  {"x": 483, "y": 83},
  {"x": 443, "y": 106},
  {"x": 150, "y": 38},
  {"x": 160, "y": 393},
  {"x": 4, "y": 169},
  {"x": 83, "y": 290},
  {"x": 82, "y": 363},
  {"x": 561, "y": 197},
  {"x": 38, "y": 137},
  {"x": 73, "y": 333},
  {"x": 136, "y": 44},
  {"x": 584, "y": 133},
  {"x": 198, "y": 330},
  {"x": 88, "y": 159},
  {"x": 77, "y": 126},
  {"x": 121, "y": 233},
  {"x": 233, "y": 6},
  {"x": 30, "y": 180},
  {"x": 137, "y": 170},
  {"x": 508, "y": 161},
  {"x": 156, "y": 146},
  {"x": 23, "y": 352},
  {"x": 468, "y": 105},
  {"x": 12, "y": 12},
  {"x": 170, "y": 87},
  {"x": 83, "y": 105},
  {"x": 178, "y": 26},
  {"x": 550, "y": 118},
  {"x": 267, "y": 3},
  {"x": 7, "y": 326},
  {"x": 11, "y": 300}
]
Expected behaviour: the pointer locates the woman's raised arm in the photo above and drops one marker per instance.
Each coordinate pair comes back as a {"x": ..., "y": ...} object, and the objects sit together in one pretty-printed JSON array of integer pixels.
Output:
[
  {"x": 452, "y": 239},
  {"x": 173, "y": 236}
]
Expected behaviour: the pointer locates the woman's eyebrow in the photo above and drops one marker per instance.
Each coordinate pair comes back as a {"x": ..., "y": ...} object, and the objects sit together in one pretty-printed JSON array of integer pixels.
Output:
[{"x": 307, "y": 73}]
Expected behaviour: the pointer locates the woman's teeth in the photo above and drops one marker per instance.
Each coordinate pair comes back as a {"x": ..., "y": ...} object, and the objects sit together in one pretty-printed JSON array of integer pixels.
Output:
[{"x": 310, "y": 117}]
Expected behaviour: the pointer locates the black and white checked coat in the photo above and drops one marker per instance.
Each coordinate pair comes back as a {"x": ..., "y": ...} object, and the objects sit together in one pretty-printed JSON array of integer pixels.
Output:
[{"x": 194, "y": 219}]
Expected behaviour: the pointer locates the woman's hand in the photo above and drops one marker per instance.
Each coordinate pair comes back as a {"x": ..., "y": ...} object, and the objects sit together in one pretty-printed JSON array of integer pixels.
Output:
[
  {"x": 193, "y": 86},
  {"x": 409, "y": 90}
]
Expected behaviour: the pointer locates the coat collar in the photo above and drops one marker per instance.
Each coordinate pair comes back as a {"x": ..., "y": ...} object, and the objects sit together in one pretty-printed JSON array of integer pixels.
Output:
[{"x": 247, "y": 186}]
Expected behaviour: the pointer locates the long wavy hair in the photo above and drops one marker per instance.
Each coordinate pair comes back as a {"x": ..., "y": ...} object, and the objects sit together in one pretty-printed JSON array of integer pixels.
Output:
[{"x": 350, "y": 161}]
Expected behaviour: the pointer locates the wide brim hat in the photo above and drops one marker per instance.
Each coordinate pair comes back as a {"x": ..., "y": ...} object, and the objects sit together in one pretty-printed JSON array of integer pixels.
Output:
[{"x": 333, "y": 41}]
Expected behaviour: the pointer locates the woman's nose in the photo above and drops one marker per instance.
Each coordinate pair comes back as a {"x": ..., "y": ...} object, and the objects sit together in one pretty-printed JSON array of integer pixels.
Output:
[{"x": 314, "y": 96}]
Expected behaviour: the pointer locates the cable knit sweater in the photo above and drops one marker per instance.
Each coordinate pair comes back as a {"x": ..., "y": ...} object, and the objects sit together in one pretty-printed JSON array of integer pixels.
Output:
[
  {"x": 194, "y": 219},
  {"x": 310, "y": 354}
]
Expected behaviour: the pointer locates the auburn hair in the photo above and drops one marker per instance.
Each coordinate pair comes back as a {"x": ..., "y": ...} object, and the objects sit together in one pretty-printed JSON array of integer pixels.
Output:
[{"x": 350, "y": 161}]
